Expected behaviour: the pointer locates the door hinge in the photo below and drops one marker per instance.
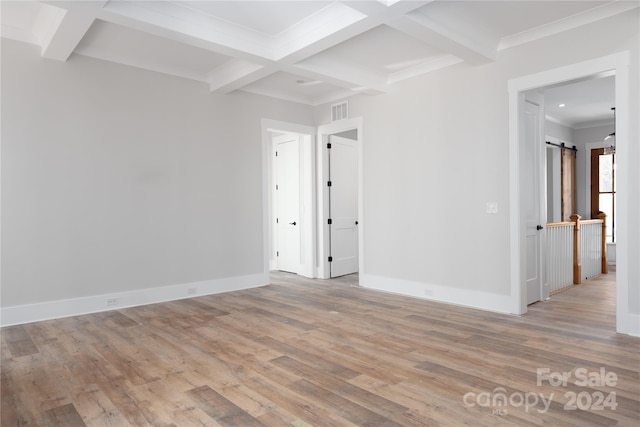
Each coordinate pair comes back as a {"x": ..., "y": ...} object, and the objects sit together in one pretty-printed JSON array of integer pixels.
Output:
[
  {"x": 276, "y": 154},
  {"x": 277, "y": 253},
  {"x": 277, "y": 221},
  {"x": 276, "y": 186},
  {"x": 329, "y": 221},
  {"x": 330, "y": 259},
  {"x": 329, "y": 146},
  {"x": 329, "y": 183}
]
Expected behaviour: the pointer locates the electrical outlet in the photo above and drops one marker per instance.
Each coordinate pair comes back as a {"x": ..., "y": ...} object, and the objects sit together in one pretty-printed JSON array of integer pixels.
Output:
[
  {"x": 112, "y": 301},
  {"x": 492, "y": 207},
  {"x": 191, "y": 291}
]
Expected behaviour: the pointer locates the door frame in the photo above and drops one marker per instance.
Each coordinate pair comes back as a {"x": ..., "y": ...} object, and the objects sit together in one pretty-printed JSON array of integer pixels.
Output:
[
  {"x": 323, "y": 194},
  {"x": 618, "y": 64},
  {"x": 308, "y": 220},
  {"x": 536, "y": 99}
]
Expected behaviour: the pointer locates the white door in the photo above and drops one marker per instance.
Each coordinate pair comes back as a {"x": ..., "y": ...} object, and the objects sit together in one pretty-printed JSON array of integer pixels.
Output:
[
  {"x": 343, "y": 205},
  {"x": 530, "y": 192},
  {"x": 288, "y": 205}
]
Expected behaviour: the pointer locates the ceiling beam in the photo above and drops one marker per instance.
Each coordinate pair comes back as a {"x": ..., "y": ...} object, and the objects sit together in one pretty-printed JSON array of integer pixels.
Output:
[
  {"x": 338, "y": 74},
  {"x": 335, "y": 25},
  {"x": 423, "y": 68},
  {"x": 60, "y": 37},
  {"x": 236, "y": 74},
  {"x": 442, "y": 37}
]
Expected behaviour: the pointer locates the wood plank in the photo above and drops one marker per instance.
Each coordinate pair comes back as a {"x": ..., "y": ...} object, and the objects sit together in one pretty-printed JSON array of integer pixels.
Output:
[
  {"x": 344, "y": 407},
  {"x": 221, "y": 409},
  {"x": 18, "y": 341},
  {"x": 65, "y": 415},
  {"x": 315, "y": 352}
]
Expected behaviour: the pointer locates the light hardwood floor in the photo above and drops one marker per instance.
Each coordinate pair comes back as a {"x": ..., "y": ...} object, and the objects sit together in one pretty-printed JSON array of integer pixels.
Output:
[{"x": 300, "y": 352}]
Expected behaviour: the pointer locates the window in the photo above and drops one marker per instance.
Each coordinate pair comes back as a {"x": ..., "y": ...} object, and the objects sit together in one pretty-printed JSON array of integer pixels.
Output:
[{"x": 603, "y": 189}]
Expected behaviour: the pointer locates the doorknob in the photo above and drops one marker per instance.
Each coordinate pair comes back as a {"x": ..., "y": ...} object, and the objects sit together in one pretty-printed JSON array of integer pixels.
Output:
[
  {"x": 293, "y": 223},
  {"x": 539, "y": 227}
]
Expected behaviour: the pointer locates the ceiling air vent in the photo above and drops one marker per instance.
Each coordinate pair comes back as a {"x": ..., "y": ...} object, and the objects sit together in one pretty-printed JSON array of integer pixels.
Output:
[{"x": 339, "y": 111}]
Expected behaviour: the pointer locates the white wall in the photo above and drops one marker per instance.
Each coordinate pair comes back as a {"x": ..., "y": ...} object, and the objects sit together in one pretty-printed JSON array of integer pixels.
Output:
[
  {"x": 117, "y": 180},
  {"x": 561, "y": 132},
  {"x": 436, "y": 150}
]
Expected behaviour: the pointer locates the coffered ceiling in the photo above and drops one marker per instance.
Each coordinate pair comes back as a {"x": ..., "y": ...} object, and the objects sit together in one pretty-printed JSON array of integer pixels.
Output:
[{"x": 310, "y": 52}]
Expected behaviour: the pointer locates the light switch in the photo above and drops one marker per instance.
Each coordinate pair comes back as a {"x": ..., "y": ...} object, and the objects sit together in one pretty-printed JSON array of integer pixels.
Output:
[{"x": 492, "y": 207}]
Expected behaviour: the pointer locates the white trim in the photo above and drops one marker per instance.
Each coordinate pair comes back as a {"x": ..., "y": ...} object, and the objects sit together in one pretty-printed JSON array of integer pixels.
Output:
[
  {"x": 308, "y": 156},
  {"x": 464, "y": 297},
  {"x": 594, "y": 124},
  {"x": 619, "y": 62},
  {"x": 323, "y": 196},
  {"x": 565, "y": 24},
  {"x": 28, "y": 313},
  {"x": 515, "y": 230},
  {"x": 631, "y": 325},
  {"x": 558, "y": 121}
]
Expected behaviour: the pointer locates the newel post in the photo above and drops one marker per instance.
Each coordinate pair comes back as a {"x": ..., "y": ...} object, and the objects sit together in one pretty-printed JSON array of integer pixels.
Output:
[
  {"x": 603, "y": 217},
  {"x": 577, "y": 267}
]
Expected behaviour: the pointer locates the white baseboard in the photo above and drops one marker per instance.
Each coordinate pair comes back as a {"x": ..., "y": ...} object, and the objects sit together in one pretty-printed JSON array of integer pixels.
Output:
[
  {"x": 28, "y": 313},
  {"x": 630, "y": 325},
  {"x": 464, "y": 297}
]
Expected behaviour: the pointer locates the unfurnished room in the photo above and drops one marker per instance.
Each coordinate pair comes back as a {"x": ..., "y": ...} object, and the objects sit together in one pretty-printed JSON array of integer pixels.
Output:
[{"x": 320, "y": 213}]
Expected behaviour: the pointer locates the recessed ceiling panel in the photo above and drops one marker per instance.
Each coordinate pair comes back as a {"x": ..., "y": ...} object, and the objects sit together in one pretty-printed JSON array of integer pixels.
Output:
[
  {"x": 295, "y": 88},
  {"x": 20, "y": 14},
  {"x": 121, "y": 44},
  {"x": 28, "y": 21},
  {"x": 267, "y": 17},
  {"x": 383, "y": 49}
]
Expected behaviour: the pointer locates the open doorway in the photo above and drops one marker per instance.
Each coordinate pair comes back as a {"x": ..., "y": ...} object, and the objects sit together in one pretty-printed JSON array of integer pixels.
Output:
[
  {"x": 579, "y": 117},
  {"x": 521, "y": 265},
  {"x": 289, "y": 188}
]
